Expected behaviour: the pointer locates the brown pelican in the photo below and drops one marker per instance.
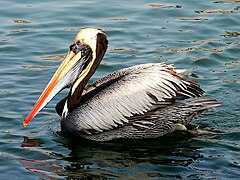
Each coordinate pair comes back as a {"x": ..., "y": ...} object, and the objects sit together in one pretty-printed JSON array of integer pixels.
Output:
[{"x": 136, "y": 102}]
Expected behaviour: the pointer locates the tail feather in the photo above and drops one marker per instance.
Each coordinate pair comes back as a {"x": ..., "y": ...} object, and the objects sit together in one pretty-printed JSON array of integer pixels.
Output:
[
  {"x": 203, "y": 103},
  {"x": 189, "y": 109}
]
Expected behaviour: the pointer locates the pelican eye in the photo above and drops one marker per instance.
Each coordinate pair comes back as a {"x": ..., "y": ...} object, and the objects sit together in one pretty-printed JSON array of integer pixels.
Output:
[{"x": 79, "y": 42}]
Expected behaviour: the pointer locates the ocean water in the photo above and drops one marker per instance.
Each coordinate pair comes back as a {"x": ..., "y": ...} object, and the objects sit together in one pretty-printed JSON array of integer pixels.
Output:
[{"x": 200, "y": 36}]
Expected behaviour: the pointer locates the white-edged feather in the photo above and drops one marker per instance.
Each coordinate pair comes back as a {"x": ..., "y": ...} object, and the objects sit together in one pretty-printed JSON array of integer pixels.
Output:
[{"x": 129, "y": 92}]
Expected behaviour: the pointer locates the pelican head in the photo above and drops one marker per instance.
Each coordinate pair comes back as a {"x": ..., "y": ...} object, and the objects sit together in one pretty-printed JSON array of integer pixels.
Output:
[{"x": 81, "y": 61}]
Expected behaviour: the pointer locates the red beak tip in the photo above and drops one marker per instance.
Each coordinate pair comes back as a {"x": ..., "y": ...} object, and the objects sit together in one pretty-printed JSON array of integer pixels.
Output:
[{"x": 24, "y": 124}]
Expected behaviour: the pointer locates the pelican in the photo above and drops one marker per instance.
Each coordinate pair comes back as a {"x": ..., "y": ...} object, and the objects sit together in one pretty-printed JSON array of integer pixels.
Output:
[{"x": 142, "y": 101}]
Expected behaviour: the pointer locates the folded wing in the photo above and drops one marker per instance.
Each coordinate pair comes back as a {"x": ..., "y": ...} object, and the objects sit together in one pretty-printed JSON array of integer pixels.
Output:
[{"x": 112, "y": 101}]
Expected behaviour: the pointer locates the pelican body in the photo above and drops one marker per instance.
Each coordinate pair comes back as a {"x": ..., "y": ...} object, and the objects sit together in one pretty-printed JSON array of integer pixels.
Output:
[{"x": 138, "y": 102}]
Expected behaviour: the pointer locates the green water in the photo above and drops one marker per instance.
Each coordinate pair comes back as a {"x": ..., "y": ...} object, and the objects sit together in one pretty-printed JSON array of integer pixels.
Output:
[{"x": 201, "y": 36}]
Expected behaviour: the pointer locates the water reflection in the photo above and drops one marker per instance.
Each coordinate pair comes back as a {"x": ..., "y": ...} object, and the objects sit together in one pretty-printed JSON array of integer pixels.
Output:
[
  {"x": 27, "y": 142},
  {"x": 176, "y": 156},
  {"x": 21, "y": 21},
  {"x": 164, "y": 6},
  {"x": 19, "y": 31},
  {"x": 35, "y": 67},
  {"x": 230, "y": 34},
  {"x": 44, "y": 168},
  {"x": 126, "y": 158},
  {"x": 215, "y": 12},
  {"x": 121, "y": 159}
]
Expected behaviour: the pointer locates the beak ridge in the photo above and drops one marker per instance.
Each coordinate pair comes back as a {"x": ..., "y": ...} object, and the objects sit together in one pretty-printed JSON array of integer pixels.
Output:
[{"x": 58, "y": 82}]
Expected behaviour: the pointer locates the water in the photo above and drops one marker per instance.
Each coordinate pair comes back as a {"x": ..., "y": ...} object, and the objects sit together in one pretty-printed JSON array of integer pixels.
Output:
[{"x": 202, "y": 36}]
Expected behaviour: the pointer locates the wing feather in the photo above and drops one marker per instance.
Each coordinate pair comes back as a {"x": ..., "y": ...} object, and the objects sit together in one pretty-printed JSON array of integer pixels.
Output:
[{"x": 110, "y": 102}]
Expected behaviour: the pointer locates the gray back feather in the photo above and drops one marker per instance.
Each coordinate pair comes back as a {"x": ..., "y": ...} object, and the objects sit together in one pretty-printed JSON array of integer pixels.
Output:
[{"x": 112, "y": 101}]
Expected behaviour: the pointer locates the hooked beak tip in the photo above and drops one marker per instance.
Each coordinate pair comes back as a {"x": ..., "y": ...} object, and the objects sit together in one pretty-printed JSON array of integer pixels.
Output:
[{"x": 24, "y": 124}]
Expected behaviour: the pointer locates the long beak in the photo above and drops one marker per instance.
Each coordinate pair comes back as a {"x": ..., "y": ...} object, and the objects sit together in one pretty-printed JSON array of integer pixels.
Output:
[{"x": 65, "y": 74}]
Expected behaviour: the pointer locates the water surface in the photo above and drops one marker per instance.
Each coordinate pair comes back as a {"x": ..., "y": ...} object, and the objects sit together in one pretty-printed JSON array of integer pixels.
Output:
[{"x": 201, "y": 36}]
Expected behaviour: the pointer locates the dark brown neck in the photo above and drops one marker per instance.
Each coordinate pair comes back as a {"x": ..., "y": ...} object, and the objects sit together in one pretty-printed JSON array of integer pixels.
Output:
[{"x": 74, "y": 98}]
